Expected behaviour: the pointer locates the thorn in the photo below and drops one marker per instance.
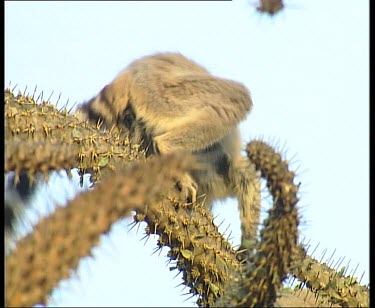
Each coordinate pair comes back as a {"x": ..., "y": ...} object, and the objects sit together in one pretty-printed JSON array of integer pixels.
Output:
[
  {"x": 293, "y": 280},
  {"x": 361, "y": 277},
  {"x": 181, "y": 284},
  {"x": 66, "y": 105},
  {"x": 346, "y": 268},
  {"x": 187, "y": 294},
  {"x": 169, "y": 261},
  {"x": 335, "y": 266},
  {"x": 178, "y": 273},
  {"x": 24, "y": 91},
  {"x": 69, "y": 173},
  {"x": 354, "y": 272},
  {"x": 160, "y": 251},
  {"x": 235, "y": 247},
  {"x": 81, "y": 174},
  {"x": 241, "y": 251},
  {"x": 112, "y": 128},
  {"x": 99, "y": 123},
  {"x": 324, "y": 253},
  {"x": 219, "y": 225},
  {"x": 229, "y": 236},
  {"x": 138, "y": 227},
  {"x": 341, "y": 261},
  {"x": 147, "y": 147},
  {"x": 50, "y": 97},
  {"x": 315, "y": 248},
  {"x": 147, "y": 236},
  {"x": 189, "y": 297},
  {"x": 226, "y": 229},
  {"x": 34, "y": 92},
  {"x": 155, "y": 229},
  {"x": 155, "y": 250},
  {"x": 330, "y": 265},
  {"x": 58, "y": 99},
  {"x": 302, "y": 242},
  {"x": 132, "y": 224},
  {"x": 331, "y": 257},
  {"x": 72, "y": 107},
  {"x": 39, "y": 96},
  {"x": 293, "y": 157}
]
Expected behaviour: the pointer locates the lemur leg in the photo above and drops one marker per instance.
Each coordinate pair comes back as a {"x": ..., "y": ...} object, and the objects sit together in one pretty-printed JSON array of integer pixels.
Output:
[
  {"x": 196, "y": 132},
  {"x": 247, "y": 188},
  {"x": 174, "y": 142}
]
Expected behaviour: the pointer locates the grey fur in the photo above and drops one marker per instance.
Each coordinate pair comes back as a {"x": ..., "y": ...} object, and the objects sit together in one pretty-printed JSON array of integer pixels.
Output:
[{"x": 178, "y": 106}]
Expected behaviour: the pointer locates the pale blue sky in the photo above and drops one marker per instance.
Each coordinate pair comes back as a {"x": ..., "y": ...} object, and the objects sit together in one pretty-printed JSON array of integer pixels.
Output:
[{"x": 307, "y": 69}]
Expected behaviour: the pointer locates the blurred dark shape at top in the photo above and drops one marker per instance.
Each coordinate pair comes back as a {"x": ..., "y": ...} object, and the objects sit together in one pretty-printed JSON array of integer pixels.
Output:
[{"x": 270, "y": 7}]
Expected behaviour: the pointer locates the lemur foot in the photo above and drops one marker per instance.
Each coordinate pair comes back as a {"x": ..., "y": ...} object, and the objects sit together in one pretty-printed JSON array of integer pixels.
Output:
[{"x": 188, "y": 188}]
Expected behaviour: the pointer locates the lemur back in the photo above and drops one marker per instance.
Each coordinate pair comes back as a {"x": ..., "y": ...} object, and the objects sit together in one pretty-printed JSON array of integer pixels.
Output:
[{"x": 173, "y": 104}]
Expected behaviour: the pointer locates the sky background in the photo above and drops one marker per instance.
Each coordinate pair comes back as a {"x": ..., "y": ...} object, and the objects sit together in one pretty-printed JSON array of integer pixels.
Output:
[{"x": 307, "y": 69}]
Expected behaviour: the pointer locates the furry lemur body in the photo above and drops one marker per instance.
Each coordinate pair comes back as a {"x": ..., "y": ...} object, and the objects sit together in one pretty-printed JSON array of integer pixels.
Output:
[{"x": 169, "y": 103}]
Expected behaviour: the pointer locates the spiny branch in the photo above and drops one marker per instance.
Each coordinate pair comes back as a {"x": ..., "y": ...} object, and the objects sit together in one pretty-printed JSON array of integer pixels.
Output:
[
  {"x": 209, "y": 264},
  {"x": 58, "y": 242}
]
